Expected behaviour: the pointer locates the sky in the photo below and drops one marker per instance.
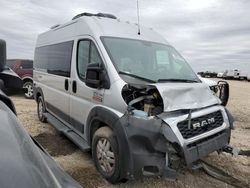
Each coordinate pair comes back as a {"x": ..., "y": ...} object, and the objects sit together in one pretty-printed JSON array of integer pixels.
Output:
[{"x": 210, "y": 34}]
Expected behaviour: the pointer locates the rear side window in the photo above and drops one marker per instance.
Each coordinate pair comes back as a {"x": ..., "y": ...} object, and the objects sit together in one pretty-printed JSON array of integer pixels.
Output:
[
  {"x": 87, "y": 53},
  {"x": 56, "y": 59},
  {"x": 26, "y": 64},
  {"x": 41, "y": 58}
]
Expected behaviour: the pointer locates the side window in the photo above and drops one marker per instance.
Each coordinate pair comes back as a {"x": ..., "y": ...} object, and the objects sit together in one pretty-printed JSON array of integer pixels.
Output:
[
  {"x": 26, "y": 64},
  {"x": 41, "y": 57},
  {"x": 87, "y": 53},
  {"x": 94, "y": 55},
  {"x": 55, "y": 59},
  {"x": 83, "y": 57},
  {"x": 60, "y": 59}
]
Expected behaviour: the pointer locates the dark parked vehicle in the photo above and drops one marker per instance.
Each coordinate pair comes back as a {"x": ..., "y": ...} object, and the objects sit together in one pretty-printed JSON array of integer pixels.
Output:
[
  {"x": 24, "y": 69},
  {"x": 208, "y": 74},
  {"x": 23, "y": 162}
]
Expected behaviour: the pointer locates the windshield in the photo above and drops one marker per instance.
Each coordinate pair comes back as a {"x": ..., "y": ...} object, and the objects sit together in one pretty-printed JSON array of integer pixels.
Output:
[{"x": 148, "y": 60}]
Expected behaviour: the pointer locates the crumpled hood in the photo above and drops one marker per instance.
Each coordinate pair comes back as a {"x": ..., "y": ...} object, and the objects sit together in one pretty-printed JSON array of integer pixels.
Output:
[{"x": 178, "y": 96}]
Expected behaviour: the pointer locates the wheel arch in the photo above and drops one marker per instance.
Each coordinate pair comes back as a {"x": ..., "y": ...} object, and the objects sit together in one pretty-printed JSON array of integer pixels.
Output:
[
  {"x": 37, "y": 93},
  {"x": 27, "y": 79},
  {"x": 99, "y": 117}
]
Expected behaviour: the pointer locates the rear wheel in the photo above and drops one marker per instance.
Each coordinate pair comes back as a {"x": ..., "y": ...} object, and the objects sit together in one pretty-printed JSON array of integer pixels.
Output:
[
  {"x": 105, "y": 154},
  {"x": 29, "y": 89},
  {"x": 41, "y": 109}
]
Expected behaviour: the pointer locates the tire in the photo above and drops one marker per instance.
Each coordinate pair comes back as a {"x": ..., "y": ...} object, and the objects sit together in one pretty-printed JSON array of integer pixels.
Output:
[
  {"x": 41, "y": 109},
  {"x": 106, "y": 155},
  {"x": 29, "y": 93}
]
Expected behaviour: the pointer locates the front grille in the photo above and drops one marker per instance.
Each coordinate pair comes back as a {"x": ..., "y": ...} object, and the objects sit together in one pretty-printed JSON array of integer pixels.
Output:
[
  {"x": 194, "y": 144},
  {"x": 204, "y": 127}
]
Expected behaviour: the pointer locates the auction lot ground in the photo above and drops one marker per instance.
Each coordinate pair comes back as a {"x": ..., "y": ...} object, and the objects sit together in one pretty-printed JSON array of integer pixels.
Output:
[{"x": 80, "y": 165}]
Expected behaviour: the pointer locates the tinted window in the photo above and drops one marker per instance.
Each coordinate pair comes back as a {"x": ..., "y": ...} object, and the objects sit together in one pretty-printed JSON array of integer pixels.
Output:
[
  {"x": 41, "y": 57},
  {"x": 60, "y": 59},
  {"x": 87, "y": 53},
  {"x": 26, "y": 64},
  {"x": 56, "y": 59}
]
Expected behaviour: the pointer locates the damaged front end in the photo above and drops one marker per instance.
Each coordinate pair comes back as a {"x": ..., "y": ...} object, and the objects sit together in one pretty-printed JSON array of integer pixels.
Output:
[{"x": 165, "y": 139}]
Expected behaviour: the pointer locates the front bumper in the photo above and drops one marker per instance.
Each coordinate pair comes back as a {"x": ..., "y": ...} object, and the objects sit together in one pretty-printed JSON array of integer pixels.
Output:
[
  {"x": 196, "y": 151},
  {"x": 158, "y": 148}
]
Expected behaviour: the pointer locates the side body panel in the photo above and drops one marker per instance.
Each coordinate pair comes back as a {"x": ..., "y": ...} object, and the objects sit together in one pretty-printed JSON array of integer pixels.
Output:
[
  {"x": 56, "y": 97},
  {"x": 82, "y": 99},
  {"x": 86, "y": 98},
  {"x": 54, "y": 85}
]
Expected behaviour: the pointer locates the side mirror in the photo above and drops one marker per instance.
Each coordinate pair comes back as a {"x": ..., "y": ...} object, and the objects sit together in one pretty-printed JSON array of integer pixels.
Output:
[
  {"x": 223, "y": 92},
  {"x": 96, "y": 76},
  {"x": 93, "y": 75}
]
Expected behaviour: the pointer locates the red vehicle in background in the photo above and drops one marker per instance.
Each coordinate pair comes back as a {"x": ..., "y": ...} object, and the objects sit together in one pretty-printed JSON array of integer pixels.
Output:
[{"x": 24, "y": 69}]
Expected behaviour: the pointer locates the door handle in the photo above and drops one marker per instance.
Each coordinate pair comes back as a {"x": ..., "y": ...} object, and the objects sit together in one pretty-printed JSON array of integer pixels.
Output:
[
  {"x": 66, "y": 84},
  {"x": 74, "y": 86}
]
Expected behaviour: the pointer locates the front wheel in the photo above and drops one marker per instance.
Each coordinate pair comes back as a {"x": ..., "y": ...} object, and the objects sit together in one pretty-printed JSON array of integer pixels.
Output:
[
  {"x": 29, "y": 90},
  {"x": 105, "y": 154},
  {"x": 41, "y": 109}
]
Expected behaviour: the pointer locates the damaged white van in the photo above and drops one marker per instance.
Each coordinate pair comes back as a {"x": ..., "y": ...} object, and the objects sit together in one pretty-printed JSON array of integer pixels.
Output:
[{"x": 129, "y": 97}]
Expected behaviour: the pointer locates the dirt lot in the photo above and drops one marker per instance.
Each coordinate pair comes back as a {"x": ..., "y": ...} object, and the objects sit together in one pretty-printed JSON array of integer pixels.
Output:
[{"x": 80, "y": 165}]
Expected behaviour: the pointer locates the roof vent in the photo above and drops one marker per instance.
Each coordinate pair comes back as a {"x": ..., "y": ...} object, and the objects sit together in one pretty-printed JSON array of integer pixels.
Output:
[{"x": 105, "y": 15}]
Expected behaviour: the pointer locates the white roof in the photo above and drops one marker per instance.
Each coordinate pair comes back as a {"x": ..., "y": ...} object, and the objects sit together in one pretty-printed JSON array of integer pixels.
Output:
[{"x": 97, "y": 27}]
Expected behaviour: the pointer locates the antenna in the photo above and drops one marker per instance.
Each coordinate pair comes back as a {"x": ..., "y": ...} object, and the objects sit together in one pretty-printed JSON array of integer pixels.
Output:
[{"x": 138, "y": 18}]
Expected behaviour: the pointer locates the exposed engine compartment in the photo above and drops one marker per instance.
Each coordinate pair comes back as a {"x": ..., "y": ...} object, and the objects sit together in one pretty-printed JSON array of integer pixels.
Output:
[{"x": 144, "y": 98}]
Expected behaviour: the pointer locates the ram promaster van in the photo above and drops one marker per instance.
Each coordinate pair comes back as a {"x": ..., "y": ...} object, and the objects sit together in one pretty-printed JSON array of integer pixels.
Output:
[{"x": 128, "y": 97}]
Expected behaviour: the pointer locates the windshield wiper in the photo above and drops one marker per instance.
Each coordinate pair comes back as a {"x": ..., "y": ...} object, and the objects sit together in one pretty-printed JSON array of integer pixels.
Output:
[
  {"x": 135, "y": 76},
  {"x": 177, "y": 80}
]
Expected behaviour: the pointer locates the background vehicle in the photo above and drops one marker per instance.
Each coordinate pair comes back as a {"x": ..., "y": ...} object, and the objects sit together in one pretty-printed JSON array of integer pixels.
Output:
[
  {"x": 220, "y": 75},
  {"x": 23, "y": 162},
  {"x": 8, "y": 78},
  {"x": 208, "y": 74},
  {"x": 128, "y": 96},
  {"x": 24, "y": 69}
]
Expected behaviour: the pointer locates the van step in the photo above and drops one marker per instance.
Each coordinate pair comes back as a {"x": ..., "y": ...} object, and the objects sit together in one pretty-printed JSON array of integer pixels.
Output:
[
  {"x": 74, "y": 137},
  {"x": 79, "y": 141}
]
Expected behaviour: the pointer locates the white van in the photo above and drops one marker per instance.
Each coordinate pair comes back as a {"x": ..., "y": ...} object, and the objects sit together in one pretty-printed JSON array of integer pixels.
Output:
[{"x": 129, "y": 97}]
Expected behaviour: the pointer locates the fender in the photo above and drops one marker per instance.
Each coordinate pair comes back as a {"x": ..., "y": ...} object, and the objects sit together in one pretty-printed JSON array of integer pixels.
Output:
[
  {"x": 26, "y": 76},
  {"x": 117, "y": 125},
  {"x": 37, "y": 90}
]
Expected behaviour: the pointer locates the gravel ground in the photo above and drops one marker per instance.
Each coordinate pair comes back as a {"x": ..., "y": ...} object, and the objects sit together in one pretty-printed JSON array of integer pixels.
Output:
[{"x": 80, "y": 165}]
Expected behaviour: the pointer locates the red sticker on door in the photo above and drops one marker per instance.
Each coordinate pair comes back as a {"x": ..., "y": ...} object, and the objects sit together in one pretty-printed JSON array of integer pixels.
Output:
[{"x": 97, "y": 97}]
